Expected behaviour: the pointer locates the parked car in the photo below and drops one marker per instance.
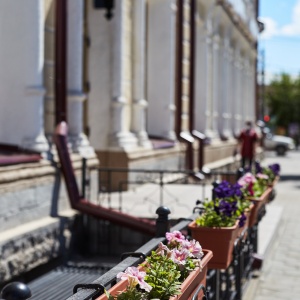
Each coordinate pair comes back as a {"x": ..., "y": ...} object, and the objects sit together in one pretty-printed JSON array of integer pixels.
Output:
[{"x": 279, "y": 143}]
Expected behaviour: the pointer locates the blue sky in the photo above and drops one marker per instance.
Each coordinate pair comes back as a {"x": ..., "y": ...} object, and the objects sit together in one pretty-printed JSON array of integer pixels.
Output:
[{"x": 280, "y": 40}]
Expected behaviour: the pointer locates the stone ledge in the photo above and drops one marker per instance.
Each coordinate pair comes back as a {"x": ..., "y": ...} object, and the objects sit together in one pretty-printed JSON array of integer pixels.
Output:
[{"x": 31, "y": 245}]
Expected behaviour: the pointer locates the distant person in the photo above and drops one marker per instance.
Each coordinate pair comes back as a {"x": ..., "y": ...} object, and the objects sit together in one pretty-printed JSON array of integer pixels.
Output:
[{"x": 247, "y": 141}]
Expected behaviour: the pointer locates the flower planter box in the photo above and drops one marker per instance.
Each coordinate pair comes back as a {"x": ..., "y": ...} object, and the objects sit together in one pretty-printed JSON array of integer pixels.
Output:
[
  {"x": 258, "y": 203},
  {"x": 195, "y": 279},
  {"x": 220, "y": 240},
  {"x": 247, "y": 222},
  {"x": 188, "y": 287},
  {"x": 275, "y": 181}
]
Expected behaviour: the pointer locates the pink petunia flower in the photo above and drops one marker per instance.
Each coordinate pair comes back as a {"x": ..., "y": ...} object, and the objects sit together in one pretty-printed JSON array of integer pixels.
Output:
[
  {"x": 262, "y": 176},
  {"x": 175, "y": 236},
  {"x": 180, "y": 256},
  {"x": 193, "y": 247},
  {"x": 163, "y": 249},
  {"x": 246, "y": 179},
  {"x": 135, "y": 277}
]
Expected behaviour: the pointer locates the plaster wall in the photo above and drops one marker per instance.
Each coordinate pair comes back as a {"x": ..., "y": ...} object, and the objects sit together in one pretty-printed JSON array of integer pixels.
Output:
[
  {"x": 21, "y": 80},
  {"x": 99, "y": 76}
]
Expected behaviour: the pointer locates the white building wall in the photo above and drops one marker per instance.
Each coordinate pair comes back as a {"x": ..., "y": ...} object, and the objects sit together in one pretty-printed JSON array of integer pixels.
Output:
[
  {"x": 161, "y": 68},
  {"x": 201, "y": 77},
  {"x": 21, "y": 74},
  {"x": 223, "y": 87},
  {"x": 99, "y": 76}
]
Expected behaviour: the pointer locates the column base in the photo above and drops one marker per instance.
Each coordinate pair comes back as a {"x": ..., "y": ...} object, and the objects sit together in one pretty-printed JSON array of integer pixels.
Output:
[
  {"x": 80, "y": 144},
  {"x": 143, "y": 140},
  {"x": 124, "y": 140},
  {"x": 211, "y": 134},
  {"x": 38, "y": 144}
]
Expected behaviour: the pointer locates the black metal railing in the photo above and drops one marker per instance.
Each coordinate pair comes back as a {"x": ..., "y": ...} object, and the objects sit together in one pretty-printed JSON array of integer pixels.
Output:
[
  {"x": 112, "y": 181},
  {"x": 221, "y": 284}
]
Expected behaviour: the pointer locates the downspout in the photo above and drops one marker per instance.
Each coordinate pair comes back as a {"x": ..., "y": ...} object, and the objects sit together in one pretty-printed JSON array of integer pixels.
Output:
[
  {"x": 179, "y": 55},
  {"x": 196, "y": 134},
  {"x": 60, "y": 61},
  {"x": 192, "y": 66},
  {"x": 182, "y": 136}
]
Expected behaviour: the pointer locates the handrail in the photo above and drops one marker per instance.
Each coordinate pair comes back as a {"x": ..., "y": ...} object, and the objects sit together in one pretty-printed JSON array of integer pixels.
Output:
[{"x": 83, "y": 205}]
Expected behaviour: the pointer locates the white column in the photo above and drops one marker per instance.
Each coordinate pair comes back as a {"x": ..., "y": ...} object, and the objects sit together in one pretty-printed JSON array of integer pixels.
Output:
[
  {"x": 21, "y": 74},
  {"x": 75, "y": 95},
  {"x": 161, "y": 68},
  {"x": 244, "y": 91},
  {"x": 230, "y": 90},
  {"x": 215, "y": 83},
  {"x": 236, "y": 95},
  {"x": 120, "y": 135},
  {"x": 223, "y": 87},
  {"x": 49, "y": 68},
  {"x": 226, "y": 103},
  {"x": 201, "y": 78},
  {"x": 240, "y": 95},
  {"x": 252, "y": 82},
  {"x": 139, "y": 103},
  {"x": 209, "y": 113}
]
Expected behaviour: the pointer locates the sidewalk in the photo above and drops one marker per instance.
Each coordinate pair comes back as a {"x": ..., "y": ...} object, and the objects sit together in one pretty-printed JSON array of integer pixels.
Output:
[{"x": 279, "y": 240}]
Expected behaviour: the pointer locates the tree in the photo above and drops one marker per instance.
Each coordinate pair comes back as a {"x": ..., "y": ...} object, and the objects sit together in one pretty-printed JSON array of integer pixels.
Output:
[{"x": 283, "y": 100}]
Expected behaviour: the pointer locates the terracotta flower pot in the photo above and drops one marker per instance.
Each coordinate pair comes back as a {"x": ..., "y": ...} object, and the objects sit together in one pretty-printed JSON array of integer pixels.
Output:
[
  {"x": 258, "y": 203},
  {"x": 188, "y": 287},
  {"x": 220, "y": 240},
  {"x": 275, "y": 181},
  {"x": 195, "y": 279},
  {"x": 243, "y": 229}
]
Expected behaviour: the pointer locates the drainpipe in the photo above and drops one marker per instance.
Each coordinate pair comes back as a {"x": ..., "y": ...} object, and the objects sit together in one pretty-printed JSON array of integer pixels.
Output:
[
  {"x": 179, "y": 55},
  {"x": 192, "y": 64},
  {"x": 60, "y": 61}
]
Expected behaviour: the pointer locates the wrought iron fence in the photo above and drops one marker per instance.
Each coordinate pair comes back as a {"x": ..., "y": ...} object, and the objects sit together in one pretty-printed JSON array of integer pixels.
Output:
[{"x": 221, "y": 284}]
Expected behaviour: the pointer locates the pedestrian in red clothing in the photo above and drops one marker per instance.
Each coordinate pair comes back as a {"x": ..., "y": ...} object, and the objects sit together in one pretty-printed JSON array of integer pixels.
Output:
[{"x": 248, "y": 138}]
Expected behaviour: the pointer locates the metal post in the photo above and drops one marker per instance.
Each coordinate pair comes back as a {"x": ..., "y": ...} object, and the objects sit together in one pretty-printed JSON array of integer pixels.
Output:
[
  {"x": 214, "y": 184},
  {"x": 61, "y": 61},
  {"x": 83, "y": 177},
  {"x": 162, "y": 222},
  {"x": 161, "y": 183},
  {"x": 240, "y": 173},
  {"x": 218, "y": 284}
]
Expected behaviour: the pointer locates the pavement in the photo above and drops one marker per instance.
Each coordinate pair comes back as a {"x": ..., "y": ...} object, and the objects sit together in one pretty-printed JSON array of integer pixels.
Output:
[{"x": 279, "y": 237}]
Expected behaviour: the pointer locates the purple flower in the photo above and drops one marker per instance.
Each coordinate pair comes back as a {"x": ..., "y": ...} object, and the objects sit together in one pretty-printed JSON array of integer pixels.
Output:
[
  {"x": 242, "y": 220},
  {"x": 223, "y": 190},
  {"x": 275, "y": 168},
  {"x": 227, "y": 208},
  {"x": 258, "y": 168},
  {"x": 236, "y": 190},
  {"x": 226, "y": 190}
]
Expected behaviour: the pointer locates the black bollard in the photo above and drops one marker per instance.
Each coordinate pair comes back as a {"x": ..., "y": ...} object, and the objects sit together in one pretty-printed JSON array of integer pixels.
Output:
[
  {"x": 162, "y": 222},
  {"x": 214, "y": 184},
  {"x": 16, "y": 291},
  {"x": 240, "y": 172}
]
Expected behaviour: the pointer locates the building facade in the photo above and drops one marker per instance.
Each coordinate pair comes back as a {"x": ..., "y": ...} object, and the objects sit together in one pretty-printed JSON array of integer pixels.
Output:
[{"x": 141, "y": 86}]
